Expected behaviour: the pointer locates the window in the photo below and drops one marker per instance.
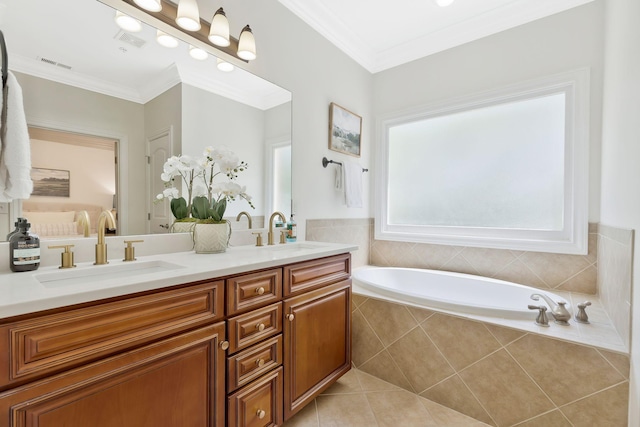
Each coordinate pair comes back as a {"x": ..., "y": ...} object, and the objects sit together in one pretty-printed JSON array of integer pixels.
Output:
[{"x": 503, "y": 169}]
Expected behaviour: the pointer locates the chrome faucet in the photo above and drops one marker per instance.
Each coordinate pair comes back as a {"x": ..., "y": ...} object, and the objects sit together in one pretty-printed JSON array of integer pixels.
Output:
[
  {"x": 557, "y": 310},
  {"x": 271, "y": 218},
  {"x": 83, "y": 219},
  {"x": 104, "y": 220},
  {"x": 248, "y": 218}
]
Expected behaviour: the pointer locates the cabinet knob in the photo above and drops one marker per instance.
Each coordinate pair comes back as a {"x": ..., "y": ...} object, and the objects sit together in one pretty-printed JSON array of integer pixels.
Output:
[
  {"x": 260, "y": 327},
  {"x": 259, "y": 363},
  {"x": 290, "y": 317},
  {"x": 260, "y": 290},
  {"x": 261, "y": 414},
  {"x": 224, "y": 345}
]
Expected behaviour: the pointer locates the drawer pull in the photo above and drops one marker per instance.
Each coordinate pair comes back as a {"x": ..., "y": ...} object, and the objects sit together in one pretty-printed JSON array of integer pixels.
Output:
[
  {"x": 260, "y": 363},
  {"x": 290, "y": 317},
  {"x": 260, "y": 290},
  {"x": 224, "y": 345},
  {"x": 260, "y": 327},
  {"x": 261, "y": 414}
]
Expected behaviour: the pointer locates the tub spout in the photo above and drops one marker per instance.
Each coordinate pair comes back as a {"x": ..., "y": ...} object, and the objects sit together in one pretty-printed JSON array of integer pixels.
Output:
[{"x": 557, "y": 310}]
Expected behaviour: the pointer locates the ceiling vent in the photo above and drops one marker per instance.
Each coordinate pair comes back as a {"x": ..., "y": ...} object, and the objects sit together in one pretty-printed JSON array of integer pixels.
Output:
[
  {"x": 128, "y": 38},
  {"x": 55, "y": 63}
]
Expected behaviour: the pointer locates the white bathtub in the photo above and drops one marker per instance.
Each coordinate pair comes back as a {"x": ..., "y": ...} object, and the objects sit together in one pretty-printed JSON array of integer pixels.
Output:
[{"x": 453, "y": 292}]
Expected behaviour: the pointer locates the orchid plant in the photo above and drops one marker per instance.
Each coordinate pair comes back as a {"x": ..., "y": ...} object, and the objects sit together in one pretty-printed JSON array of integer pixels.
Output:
[{"x": 209, "y": 181}]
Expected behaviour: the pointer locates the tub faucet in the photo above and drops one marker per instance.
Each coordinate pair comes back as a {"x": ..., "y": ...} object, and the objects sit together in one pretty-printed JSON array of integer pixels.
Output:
[{"x": 557, "y": 310}]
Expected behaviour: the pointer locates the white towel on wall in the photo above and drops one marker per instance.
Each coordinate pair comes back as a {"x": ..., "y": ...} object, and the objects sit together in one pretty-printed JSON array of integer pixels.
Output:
[
  {"x": 339, "y": 178},
  {"x": 15, "y": 151},
  {"x": 352, "y": 184}
]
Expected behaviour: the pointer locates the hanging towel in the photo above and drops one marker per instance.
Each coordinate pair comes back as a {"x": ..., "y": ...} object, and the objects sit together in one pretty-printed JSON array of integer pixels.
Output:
[
  {"x": 352, "y": 184},
  {"x": 339, "y": 178},
  {"x": 15, "y": 149}
]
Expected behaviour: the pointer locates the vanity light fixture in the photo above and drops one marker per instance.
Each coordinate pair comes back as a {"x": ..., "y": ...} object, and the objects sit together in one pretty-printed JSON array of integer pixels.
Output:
[
  {"x": 166, "y": 40},
  {"x": 224, "y": 66},
  {"x": 188, "y": 15},
  {"x": 185, "y": 19},
  {"x": 219, "y": 32},
  {"x": 197, "y": 53},
  {"x": 444, "y": 3},
  {"x": 247, "y": 44},
  {"x": 128, "y": 23},
  {"x": 150, "y": 5}
]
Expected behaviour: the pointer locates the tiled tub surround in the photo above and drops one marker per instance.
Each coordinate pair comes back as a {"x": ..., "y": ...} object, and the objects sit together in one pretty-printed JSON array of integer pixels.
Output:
[
  {"x": 498, "y": 375},
  {"x": 354, "y": 231}
]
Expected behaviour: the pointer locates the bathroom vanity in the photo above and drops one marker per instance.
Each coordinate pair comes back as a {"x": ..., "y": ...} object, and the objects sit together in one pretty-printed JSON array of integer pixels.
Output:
[{"x": 249, "y": 345}]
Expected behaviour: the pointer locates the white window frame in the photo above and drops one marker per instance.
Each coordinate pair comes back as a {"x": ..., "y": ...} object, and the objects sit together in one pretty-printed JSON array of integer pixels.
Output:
[{"x": 572, "y": 239}]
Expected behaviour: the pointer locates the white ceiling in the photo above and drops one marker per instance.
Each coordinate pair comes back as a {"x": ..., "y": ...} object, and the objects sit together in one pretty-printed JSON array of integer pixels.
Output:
[
  {"x": 380, "y": 34},
  {"x": 377, "y": 34}
]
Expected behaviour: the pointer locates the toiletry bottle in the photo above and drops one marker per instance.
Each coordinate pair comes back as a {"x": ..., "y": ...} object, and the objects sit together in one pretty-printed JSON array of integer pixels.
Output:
[
  {"x": 292, "y": 232},
  {"x": 17, "y": 230},
  {"x": 24, "y": 249}
]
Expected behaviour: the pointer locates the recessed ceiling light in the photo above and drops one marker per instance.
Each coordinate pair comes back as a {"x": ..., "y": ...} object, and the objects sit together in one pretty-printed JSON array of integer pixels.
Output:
[
  {"x": 166, "y": 40},
  {"x": 127, "y": 23},
  {"x": 197, "y": 53},
  {"x": 224, "y": 66}
]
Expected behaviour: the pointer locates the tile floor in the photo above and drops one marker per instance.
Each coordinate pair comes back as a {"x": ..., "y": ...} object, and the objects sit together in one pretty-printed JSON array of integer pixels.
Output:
[{"x": 362, "y": 400}]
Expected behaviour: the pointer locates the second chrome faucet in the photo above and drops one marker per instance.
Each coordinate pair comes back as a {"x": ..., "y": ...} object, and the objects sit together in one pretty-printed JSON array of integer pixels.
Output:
[{"x": 557, "y": 310}]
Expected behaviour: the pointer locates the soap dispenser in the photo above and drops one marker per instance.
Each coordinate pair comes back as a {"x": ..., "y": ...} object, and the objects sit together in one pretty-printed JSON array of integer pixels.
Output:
[
  {"x": 24, "y": 249},
  {"x": 17, "y": 230},
  {"x": 292, "y": 230}
]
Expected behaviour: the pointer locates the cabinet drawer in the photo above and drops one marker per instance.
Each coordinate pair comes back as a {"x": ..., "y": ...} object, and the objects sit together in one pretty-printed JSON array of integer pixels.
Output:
[
  {"x": 305, "y": 276},
  {"x": 247, "y": 329},
  {"x": 50, "y": 343},
  {"x": 249, "y": 364},
  {"x": 258, "y": 404},
  {"x": 253, "y": 290}
]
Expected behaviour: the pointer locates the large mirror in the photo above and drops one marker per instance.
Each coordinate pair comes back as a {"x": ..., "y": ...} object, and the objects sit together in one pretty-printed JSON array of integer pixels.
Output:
[{"x": 105, "y": 107}]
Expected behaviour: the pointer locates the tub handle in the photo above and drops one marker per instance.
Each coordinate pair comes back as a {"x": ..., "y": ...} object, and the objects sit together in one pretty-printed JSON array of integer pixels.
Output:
[
  {"x": 541, "y": 319},
  {"x": 581, "y": 315}
]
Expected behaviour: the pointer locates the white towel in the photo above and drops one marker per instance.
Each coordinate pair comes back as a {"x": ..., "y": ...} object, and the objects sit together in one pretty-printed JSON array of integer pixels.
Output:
[
  {"x": 352, "y": 184},
  {"x": 339, "y": 178},
  {"x": 15, "y": 152}
]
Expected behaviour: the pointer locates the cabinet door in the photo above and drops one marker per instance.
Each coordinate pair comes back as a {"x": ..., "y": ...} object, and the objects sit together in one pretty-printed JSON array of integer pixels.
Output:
[
  {"x": 317, "y": 343},
  {"x": 175, "y": 382}
]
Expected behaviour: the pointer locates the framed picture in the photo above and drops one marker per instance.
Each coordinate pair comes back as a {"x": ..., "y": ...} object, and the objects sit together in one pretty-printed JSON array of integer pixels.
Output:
[
  {"x": 50, "y": 182},
  {"x": 345, "y": 130}
]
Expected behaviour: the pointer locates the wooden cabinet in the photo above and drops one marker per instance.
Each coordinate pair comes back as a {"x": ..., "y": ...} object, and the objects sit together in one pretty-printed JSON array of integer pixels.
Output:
[
  {"x": 249, "y": 350},
  {"x": 178, "y": 381},
  {"x": 317, "y": 343}
]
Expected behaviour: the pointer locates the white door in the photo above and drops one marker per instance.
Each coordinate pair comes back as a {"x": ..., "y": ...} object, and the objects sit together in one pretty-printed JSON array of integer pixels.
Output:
[{"x": 159, "y": 213}]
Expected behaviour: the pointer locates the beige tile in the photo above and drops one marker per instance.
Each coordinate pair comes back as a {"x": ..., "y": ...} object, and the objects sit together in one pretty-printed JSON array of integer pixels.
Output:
[
  {"x": 583, "y": 282},
  {"x": 358, "y": 299},
  {"x": 504, "y": 389},
  {"x": 382, "y": 366},
  {"x": 419, "y": 360},
  {"x": 399, "y": 408},
  {"x": 447, "y": 417},
  {"x": 619, "y": 361},
  {"x": 504, "y": 335},
  {"x": 420, "y": 314},
  {"x": 573, "y": 372},
  {"x": 605, "y": 409},
  {"x": 388, "y": 320},
  {"x": 370, "y": 383},
  {"x": 347, "y": 384},
  {"x": 346, "y": 410},
  {"x": 554, "y": 269},
  {"x": 453, "y": 393},
  {"x": 435, "y": 256},
  {"x": 459, "y": 264},
  {"x": 365, "y": 343},
  {"x": 592, "y": 256},
  {"x": 550, "y": 419},
  {"x": 518, "y": 272},
  {"x": 307, "y": 417},
  {"x": 488, "y": 261},
  {"x": 461, "y": 341}
]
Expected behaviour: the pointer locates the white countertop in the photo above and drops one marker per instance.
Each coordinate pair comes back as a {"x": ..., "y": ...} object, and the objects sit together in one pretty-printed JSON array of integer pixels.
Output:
[{"x": 50, "y": 287}]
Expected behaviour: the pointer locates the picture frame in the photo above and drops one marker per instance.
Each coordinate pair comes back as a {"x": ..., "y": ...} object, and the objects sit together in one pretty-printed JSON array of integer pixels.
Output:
[
  {"x": 51, "y": 182},
  {"x": 345, "y": 130}
]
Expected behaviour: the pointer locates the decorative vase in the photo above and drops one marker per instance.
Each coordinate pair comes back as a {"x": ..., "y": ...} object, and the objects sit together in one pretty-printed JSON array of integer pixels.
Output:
[
  {"x": 211, "y": 238},
  {"x": 182, "y": 227}
]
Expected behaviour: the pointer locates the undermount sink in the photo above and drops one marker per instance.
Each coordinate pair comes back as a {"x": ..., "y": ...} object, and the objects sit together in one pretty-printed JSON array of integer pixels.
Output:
[{"x": 101, "y": 273}]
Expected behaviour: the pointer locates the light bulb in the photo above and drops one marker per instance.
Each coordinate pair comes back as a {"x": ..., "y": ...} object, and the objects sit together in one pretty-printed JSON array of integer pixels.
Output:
[
  {"x": 197, "y": 53},
  {"x": 219, "y": 32},
  {"x": 224, "y": 66},
  {"x": 127, "y": 23},
  {"x": 247, "y": 44},
  {"x": 188, "y": 15},
  {"x": 150, "y": 5},
  {"x": 166, "y": 40}
]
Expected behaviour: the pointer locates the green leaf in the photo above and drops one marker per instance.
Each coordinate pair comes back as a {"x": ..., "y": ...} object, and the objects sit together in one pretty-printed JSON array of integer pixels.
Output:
[
  {"x": 200, "y": 207},
  {"x": 179, "y": 208},
  {"x": 218, "y": 209}
]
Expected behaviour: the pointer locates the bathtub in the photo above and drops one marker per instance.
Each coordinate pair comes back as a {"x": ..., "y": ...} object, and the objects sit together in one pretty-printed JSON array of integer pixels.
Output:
[{"x": 453, "y": 292}]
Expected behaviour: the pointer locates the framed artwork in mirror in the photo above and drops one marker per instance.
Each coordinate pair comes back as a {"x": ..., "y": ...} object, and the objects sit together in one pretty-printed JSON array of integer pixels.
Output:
[
  {"x": 50, "y": 182},
  {"x": 345, "y": 130}
]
